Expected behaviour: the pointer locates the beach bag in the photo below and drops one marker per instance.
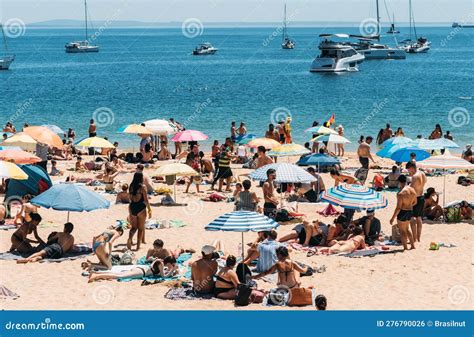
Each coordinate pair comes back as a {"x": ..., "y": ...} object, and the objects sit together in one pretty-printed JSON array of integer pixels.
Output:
[
  {"x": 243, "y": 295},
  {"x": 278, "y": 296},
  {"x": 282, "y": 215},
  {"x": 257, "y": 296},
  {"x": 300, "y": 297},
  {"x": 361, "y": 174},
  {"x": 243, "y": 273},
  {"x": 453, "y": 214},
  {"x": 396, "y": 234}
]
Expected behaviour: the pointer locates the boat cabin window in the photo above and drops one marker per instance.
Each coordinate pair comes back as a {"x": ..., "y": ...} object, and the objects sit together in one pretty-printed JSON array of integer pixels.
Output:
[{"x": 329, "y": 53}]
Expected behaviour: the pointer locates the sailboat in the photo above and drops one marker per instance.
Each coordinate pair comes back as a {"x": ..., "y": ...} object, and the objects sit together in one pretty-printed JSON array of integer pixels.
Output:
[
  {"x": 286, "y": 43},
  {"x": 392, "y": 29},
  {"x": 82, "y": 46},
  {"x": 5, "y": 60},
  {"x": 421, "y": 44},
  {"x": 377, "y": 51}
]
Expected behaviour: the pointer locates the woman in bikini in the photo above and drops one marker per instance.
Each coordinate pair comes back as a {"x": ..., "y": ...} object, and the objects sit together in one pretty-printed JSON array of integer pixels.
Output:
[
  {"x": 288, "y": 271},
  {"x": 139, "y": 204},
  {"x": 342, "y": 178},
  {"x": 158, "y": 268},
  {"x": 102, "y": 247},
  {"x": 27, "y": 208},
  {"x": 226, "y": 280},
  {"x": 109, "y": 178},
  {"x": 355, "y": 241}
]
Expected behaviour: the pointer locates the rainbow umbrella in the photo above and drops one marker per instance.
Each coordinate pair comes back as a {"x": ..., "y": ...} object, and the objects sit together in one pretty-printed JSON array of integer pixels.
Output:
[
  {"x": 44, "y": 135},
  {"x": 288, "y": 150},
  {"x": 18, "y": 157},
  {"x": 96, "y": 142},
  {"x": 12, "y": 171},
  {"x": 189, "y": 136},
  {"x": 265, "y": 142},
  {"x": 356, "y": 197},
  {"x": 135, "y": 129}
]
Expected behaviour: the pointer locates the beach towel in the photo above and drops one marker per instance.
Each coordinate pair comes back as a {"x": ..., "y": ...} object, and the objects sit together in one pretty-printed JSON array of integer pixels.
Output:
[
  {"x": 177, "y": 223},
  {"x": 82, "y": 248},
  {"x": 6, "y": 226},
  {"x": 152, "y": 224},
  {"x": 372, "y": 251},
  {"x": 186, "y": 293},
  {"x": 6, "y": 293},
  {"x": 67, "y": 257}
]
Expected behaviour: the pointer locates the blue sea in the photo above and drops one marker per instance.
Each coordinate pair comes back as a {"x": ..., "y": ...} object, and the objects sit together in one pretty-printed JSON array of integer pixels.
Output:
[{"x": 142, "y": 74}]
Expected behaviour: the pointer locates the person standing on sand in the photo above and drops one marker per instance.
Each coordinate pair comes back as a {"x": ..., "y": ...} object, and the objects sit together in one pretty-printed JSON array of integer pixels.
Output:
[
  {"x": 287, "y": 129},
  {"x": 340, "y": 147},
  {"x": 280, "y": 127},
  {"x": 418, "y": 182},
  {"x": 139, "y": 204},
  {"x": 271, "y": 133},
  {"x": 406, "y": 199},
  {"x": 363, "y": 151},
  {"x": 271, "y": 201}
]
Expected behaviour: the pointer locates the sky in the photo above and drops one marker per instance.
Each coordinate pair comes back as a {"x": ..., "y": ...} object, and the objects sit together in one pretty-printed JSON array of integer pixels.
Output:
[{"x": 425, "y": 11}]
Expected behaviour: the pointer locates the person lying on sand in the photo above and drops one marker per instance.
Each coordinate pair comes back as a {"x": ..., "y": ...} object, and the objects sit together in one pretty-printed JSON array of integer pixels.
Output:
[
  {"x": 158, "y": 268},
  {"x": 19, "y": 240},
  {"x": 159, "y": 252},
  {"x": 355, "y": 241},
  {"x": 58, "y": 244},
  {"x": 308, "y": 234},
  {"x": 227, "y": 280}
]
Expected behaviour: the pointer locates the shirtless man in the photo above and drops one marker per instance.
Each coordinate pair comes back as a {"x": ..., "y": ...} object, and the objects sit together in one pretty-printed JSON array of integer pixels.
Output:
[
  {"x": 271, "y": 201},
  {"x": 203, "y": 271},
  {"x": 387, "y": 133},
  {"x": 406, "y": 199},
  {"x": 418, "y": 182},
  {"x": 364, "y": 152},
  {"x": 57, "y": 245},
  {"x": 159, "y": 252},
  {"x": 242, "y": 129},
  {"x": 19, "y": 239},
  {"x": 263, "y": 159},
  {"x": 233, "y": 132}
]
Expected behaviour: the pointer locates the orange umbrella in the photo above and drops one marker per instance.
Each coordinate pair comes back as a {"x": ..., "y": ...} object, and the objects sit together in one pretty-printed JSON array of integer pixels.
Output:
[
  {"x": 19, "y": 157},
  {"x": 44, "y": 135},
  {"x": 266, "y": 142}
]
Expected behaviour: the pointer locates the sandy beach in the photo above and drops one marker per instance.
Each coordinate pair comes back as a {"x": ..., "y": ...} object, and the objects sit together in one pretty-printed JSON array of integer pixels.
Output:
[{"x": 416, "y": 279}]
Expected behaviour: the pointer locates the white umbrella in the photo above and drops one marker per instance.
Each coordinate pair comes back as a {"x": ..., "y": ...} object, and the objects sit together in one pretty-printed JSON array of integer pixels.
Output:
[
  {"x": 160, "y": 127},
  {"x": 331, "y": 138}
]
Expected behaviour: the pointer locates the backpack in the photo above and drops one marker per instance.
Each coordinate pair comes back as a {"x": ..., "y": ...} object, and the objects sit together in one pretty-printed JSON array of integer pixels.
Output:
[
  {"x": 243, "y": 273},
  {"x": 243, "y": 295}
]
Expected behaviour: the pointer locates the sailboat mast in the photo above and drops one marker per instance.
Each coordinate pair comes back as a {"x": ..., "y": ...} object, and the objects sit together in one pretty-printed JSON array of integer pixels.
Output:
[
  {"x": 414, "y": 25},
  {"x": 378, "y": 20},
  {"x": 410, "y": 15},
  {"x": 85, "y": 16},
  {"x": 284, "y": 24},
  {"x": 4, "y": 38}
]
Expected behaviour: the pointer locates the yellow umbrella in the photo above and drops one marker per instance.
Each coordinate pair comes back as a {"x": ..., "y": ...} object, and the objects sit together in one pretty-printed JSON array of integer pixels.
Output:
[
  {"x": 176, "y": 169},
  {"x": 288, "y": 150},
  {"x": 266, "y": 142},
  {"x": 12, "y": 171},
  {"x": 135, "y": 128},
  {"x": 44, "y": 135},
  {"x": 21, "y": 140},
  {"x": 96, "y": 142}
]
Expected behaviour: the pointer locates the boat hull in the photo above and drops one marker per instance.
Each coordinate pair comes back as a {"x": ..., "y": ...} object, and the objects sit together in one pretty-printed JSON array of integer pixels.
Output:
[
  {"x": 6, "y": 61},
  {"x": 208, "y": 52},
  {"x": 328, "y": 65},
  {"x": 76, "y": 50},
  {"x": 383, "y": 54}
]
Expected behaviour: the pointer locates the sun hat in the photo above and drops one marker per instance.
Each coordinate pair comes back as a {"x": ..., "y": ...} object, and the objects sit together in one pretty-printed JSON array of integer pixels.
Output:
[{"x": 208, "y": 249}]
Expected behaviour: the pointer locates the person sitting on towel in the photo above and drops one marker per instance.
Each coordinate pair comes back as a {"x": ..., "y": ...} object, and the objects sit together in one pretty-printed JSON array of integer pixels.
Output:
[
  {"x": 371, "y": 226},
  {"x": 58, "y": 244},
  {"x": 203, "y": 271},
  {"x": 159, "y": 252},
  {"x": 20, "y": 241}
]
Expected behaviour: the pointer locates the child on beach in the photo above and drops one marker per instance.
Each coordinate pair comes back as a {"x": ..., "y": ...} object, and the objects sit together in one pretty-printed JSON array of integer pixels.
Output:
[
  {"x": 80, "y": 167},
  {"x": 123, "y": 197},
  {"x": 54, "y": 170}
]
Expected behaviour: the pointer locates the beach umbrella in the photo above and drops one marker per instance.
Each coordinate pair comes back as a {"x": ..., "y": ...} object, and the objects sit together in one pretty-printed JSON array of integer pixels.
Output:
[
  {"x": 268, "y": 143},
  {"x": 322, "y": 130},
  {"x": 356, "y": 197},
  {"x": 11, "y": 171},
  {"x": 44, "y": 135},
  {"x": 189, "y": 136},
  {"x": 319, "y": 159},
  {"x": 176, "y": 169},
  {"x": 56, "y": 129},
  {"x": 331, "y": 138},
  {"x": 390, "y": 149},
  {"x": 96, "y": 142},
  {"x": 285, "y": 173},
  {"x": 435, "y": 144},
  {"x": 397, "y": 141},
  {"x": 244, "y": 139},
  {"x": 70, "y": 198},
  {"x": 9, "y": 148},
  {"x": 242, "y": 221},
  {"x": 445, "y": 162},
  {"x": 19, "y": 157},
  {"x": 135, "y": 129},
  {"x": 160, "y": 127},
  {"x": 288, "y": 150},
  {"x": 403, "y": 155},
  {"x": 22, "y": 140}
]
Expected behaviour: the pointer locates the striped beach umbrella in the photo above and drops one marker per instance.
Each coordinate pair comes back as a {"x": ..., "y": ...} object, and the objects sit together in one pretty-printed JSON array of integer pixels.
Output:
[
  {"x": 403, "y": 155},
  {"x": 356, "y": 197},
  {"x": 265, "y": 142},
  {"x": 288, "y": 150},
  {"x": 189, "y": 136},
  {"x": 285, "y": 173},
  {"x": 435, "y": 144},
  {"x": 135, "y": 129},
  {"x": 245, "y": 139},
  {"x": 12, "y": 171},
  {"x": 397, "y": 141}
]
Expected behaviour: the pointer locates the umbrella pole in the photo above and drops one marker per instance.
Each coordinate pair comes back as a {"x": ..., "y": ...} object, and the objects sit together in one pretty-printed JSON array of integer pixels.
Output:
[
  {"x": 68, "y": 216},
  {"x": 175, "y": 196},
  {"x": 242, "y": 252}
]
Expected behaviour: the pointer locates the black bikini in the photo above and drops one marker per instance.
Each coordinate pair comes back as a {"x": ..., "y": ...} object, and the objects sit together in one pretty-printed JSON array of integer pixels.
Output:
[
  {"x": 137, "y": 206},
  {"x": 219, "y": 290}
]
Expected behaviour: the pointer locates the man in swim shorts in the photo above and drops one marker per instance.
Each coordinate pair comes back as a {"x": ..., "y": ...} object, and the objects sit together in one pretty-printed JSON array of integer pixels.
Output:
[
  {"x": 406, "y": 199},
  {"x": 418, "y": 182}
]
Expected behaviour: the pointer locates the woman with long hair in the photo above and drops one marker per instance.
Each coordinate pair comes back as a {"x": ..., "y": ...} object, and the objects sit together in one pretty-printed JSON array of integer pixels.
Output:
[{"x": 139, "y": 204}]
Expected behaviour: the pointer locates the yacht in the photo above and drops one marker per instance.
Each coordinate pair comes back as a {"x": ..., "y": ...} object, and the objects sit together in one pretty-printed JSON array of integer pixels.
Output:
[
  {"x": 5, "y": 60},
  {"x": 336, "y": 56},
  {"x": 204, "y": 49},
  {"x": 421, "y": 44},
  {"x": 82, "y": 46},
  {"x": 456, "y": 25},
  {"x": 286, "y": 43}
]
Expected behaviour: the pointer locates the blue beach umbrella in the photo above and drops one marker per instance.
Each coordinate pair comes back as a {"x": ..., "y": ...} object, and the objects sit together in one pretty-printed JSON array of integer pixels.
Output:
[
  {"x": 318, "y": 159},
  {"x": 285, "y": 173},
  {"x": 403, "y": 155},
  {"x": 435, "y": 144},
  {"x": 242, "y": 221},
  {"x": 397, "y": 141},
  {"x": 56, "y": 129},
  {"x": 387, "y": 151},
  {"x": 244, "y": 139},
  {"x": 70, "y": 198},
  {"x": 356, "y": 197}
]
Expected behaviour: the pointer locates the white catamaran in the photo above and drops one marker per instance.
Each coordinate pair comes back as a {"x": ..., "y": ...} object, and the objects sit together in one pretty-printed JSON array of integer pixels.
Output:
[
  {"x": 286, "y": 42},
  {"x": 82, "y": 46},
  {"x": 7, "y": 59}
]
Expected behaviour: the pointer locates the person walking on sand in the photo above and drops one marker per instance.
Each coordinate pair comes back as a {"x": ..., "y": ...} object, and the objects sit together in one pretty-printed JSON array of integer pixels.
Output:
[
  {"x": 139, "y": 204},
  {"x": 363, "y": 151},
  {"x": 406, "y": 199},
  {"x": 418, "y": 182},
  {"x": 270, "y": 201}
]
